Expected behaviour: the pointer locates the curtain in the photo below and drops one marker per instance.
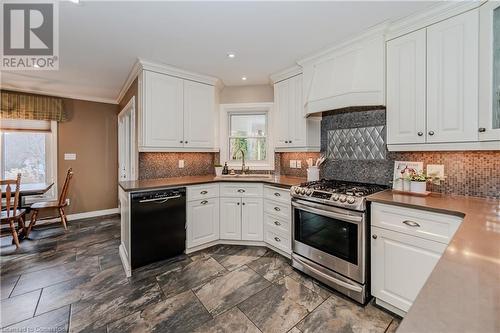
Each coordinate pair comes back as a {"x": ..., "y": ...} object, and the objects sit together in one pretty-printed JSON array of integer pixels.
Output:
[{"x": 16, "y": 105}]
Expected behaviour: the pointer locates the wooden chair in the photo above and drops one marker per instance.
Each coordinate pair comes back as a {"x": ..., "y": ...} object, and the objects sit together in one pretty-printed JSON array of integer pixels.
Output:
[
  {"x": 12, "y": 213},
  {"x": 49, "y": 205}
]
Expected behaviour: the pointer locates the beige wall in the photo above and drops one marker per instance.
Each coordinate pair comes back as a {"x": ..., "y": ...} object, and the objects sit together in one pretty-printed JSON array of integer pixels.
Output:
[
  {"x": 247, "y": 94},
  {"x": 91, "y": 133}
]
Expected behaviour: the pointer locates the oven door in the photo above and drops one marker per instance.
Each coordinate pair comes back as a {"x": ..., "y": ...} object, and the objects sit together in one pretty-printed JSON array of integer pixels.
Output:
[{"x": 330, "y": 236}]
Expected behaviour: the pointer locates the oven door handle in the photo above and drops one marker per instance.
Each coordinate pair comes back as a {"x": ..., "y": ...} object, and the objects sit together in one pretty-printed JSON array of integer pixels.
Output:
[
  {"x": 330, "y": 278},
  {"x": 343, "y": 217}
]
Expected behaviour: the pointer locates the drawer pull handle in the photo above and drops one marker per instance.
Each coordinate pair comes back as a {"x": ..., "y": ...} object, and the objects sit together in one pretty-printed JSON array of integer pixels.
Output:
[
  {"x": 204, "y": 202},
  {"x": 277, "y": 223},
  {"x": 374, "y": 236},
  {"x": 277, "y": 239},
  {"x": 203, "y": 192},
  {"x": 277, "y": 194},
  {"x": 277, "y": 209},
  {"x": 241, "y": 190},
  {"x": 411, "y": 223}
]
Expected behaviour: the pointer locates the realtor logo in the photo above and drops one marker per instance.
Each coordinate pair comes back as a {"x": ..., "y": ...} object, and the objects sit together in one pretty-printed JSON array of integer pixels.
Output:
[{"x": 30, "y": 39}]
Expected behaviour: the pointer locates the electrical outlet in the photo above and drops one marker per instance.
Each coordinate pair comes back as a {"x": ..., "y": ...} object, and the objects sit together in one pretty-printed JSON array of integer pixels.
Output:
[
  {"x": 435, "y": 170},
  {"x": 310, "y": 161},
  {"x": 181, "y": 164},
  {"x": 293, "y": 164},
  {"x": 299, "y": 164}
]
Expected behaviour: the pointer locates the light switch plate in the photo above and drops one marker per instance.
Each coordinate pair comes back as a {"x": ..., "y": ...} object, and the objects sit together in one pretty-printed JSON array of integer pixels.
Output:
[
  {"x": 299, "y": 164},
  {"x": 181, "y": 164},
  {"x": 69, "y": 156},
  {"x": 293, "y": 164},
  {"x": 435, "y": 170}
]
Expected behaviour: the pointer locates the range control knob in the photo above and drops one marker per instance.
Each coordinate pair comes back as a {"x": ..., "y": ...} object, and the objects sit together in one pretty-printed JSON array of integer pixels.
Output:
[
  {"x": 309, "y": 191},
  {"x": 302, "y": 191},
  {"x": 297, "y": 190},
  {"x": 350, "y": 200},
  {"x": 335, "y": 197},
  {"x": 342, "y": 198}
]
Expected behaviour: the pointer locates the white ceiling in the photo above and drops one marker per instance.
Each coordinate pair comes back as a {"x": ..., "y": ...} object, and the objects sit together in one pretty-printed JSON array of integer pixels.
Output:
[{"x": 100, "y": 41}]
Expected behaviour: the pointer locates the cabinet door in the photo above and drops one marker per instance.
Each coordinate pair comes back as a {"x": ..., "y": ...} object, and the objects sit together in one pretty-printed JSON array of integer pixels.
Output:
[
  {"x": 406, "y": 88},
  {"x": 489, "y": 71},
  {"x": 199, "y": 115},
  {"x": 202, "y": 222},
  {"x": 296, "y": 121},
  {"x": 400, "y": 265},
  {"x": 252, "y": 219},
  {"x": 281, "y": 113},
  {"x": 162, "y": 111},
  {"x": 452, "y": 79},
  {"x": 230, "y": 218}
]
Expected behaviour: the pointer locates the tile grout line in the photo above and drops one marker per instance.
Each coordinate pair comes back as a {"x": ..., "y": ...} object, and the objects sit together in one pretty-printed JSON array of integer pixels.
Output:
[
  {"x": 37, "y": 302},
  {"x": 15, "y": 285}
]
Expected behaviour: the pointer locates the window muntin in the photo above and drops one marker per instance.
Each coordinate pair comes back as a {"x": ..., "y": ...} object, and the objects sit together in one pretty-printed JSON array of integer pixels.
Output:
[{"x": 248, "y": 134}]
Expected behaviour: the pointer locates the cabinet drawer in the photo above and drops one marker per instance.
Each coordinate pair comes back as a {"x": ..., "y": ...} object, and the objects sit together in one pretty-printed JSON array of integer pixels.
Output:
[
  {"x": 278, "y": 240},
  {"x": 241, "y": 190},
  {"x": 420, "y": 223},
  {"x": 278, "y": 223},
  {"x": 278, "y": 194},
  {"x": 278, "y": 209},
  {"x": 202, "y": 192}
]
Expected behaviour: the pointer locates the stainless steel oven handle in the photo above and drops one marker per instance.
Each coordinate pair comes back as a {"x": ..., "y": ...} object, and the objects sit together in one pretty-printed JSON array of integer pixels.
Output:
[
  {"x": 330, "y": 278},
  {"x": 343, "y": 217}
]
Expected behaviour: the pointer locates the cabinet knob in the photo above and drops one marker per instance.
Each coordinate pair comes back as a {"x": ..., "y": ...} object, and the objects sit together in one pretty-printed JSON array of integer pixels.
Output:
[
  {"x": 277, "y": 223},
  {"x": 243, "y": 204},
  {"x": 238, "y": 203},
  {"x": 277, "y": 239},
  {"x": 241, "y": 190},
  {"x": 185, "y": 142},
  {"x": 277, "y": 209},
  {"x": 277, "y": 194},
  {"x": 204, "y": 202},
  {"x": 290, "y": 141},
  {"x": 482, "y": 129},
  {"x": 420, "y": 133},
  {"x": 286, "y": 141},
  {"x": 203, "y": 192},
  {"x": 374, "y": 236},
  {"x": 181, "y": 141},
  {"x": 431, "y": 132}
]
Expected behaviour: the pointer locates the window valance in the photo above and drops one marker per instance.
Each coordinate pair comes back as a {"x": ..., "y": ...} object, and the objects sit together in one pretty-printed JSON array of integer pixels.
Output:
[{"x": 16, "y": 105}]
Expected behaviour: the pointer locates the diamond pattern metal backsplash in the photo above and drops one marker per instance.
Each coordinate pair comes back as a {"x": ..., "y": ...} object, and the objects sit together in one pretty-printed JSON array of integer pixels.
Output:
[{"x": 361, "y": 143}]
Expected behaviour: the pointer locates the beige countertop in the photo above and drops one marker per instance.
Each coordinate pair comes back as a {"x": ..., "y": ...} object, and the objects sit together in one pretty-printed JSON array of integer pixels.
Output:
[
  {"x": 462, "y": 293},
  {"x": 150, "y": 184}
]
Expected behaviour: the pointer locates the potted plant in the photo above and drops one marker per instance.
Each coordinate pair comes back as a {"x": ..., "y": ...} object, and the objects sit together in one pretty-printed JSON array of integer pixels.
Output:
[
  {"x": 418, "y": 182},
  {"x": 218, "y": 170}
]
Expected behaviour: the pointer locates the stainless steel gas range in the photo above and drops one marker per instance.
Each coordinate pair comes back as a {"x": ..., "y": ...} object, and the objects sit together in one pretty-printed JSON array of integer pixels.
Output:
[{"x": 330, "y": 234}]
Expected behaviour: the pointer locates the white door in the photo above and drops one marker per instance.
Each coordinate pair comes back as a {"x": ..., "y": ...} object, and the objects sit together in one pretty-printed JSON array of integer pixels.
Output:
[
  {"x": 406, "y": 81},
  {"x": 199, "y": 115},
  {"x": 252, "y": 219},
  {"x": 127, "y": 152},
  {"x": 489, "y": 71},
  {"x": 400, "y": 265},
  {"x": 202, "y": 222},
  {"x": 452, "y": 79},
  {"x": 230, "y": 218},
  {"x": 281, "y": 113},
  {"x": 296, "y": 120},
  {"x": 163, "y": 111}
]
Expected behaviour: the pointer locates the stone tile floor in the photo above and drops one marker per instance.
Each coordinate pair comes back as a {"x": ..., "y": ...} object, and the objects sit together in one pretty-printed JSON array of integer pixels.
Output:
[{"x": 74, "y": 282}]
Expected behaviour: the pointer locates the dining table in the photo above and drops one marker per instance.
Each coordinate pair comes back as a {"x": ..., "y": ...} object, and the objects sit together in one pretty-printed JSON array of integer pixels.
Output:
[{"x": 27, "y": 190}]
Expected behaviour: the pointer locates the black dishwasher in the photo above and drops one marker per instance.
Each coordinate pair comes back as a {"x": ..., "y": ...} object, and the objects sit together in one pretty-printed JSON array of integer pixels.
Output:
[{"x": 158, "y": 225}]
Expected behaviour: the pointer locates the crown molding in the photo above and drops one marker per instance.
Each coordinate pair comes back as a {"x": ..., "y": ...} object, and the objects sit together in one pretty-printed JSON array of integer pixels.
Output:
[
  {"x": 429, "y": 16},
  {"x": 57, "y": 94},
  {"x": 285, "y": 74},
  {"x": 132, "y": 75}
]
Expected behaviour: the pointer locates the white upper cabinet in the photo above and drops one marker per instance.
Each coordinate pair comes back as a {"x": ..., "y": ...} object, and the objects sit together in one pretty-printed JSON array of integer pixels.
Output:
[
  {"x": 489, "y": 72},
  {"x": 293, "y": 131},
  {"x": 351, "y": 74},
  {"x": 452, "y": 79},
  {"x": 176, "y": 113},
  {"x": 162, "y": 116},
  {"x": 406, "y": 88},
  {"x": 199, "y": 115}
]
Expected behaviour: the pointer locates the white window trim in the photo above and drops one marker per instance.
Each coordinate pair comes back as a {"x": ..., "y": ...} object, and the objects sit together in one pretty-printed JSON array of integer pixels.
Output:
[
  {"x": 51, "y": 155},
  {"x": 246, "y": 108}
]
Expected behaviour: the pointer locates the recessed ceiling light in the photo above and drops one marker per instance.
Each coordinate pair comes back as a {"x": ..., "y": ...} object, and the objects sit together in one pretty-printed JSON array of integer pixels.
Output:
[
  {"x": 244, "y": 78},
  {"x": 231, "y": 55}
]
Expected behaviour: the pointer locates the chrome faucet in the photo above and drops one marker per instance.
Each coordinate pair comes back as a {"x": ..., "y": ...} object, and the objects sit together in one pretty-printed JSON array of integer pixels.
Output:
[{"x": 244, "y": 169}]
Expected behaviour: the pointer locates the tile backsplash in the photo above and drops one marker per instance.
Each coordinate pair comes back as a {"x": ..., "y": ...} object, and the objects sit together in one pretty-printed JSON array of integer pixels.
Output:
[
  {"x": 164, "y": 165},
  {"x": 474, "y": 173}
]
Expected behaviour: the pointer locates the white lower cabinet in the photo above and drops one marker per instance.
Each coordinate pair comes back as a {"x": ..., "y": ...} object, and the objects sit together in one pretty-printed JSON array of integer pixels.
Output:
[
  {"x": 241, "y": 219},
  {"x": 406, "y": 244},
  {"x": 203, "y": 221},
  {"x": 230, "y": 218},
  {"x": 400, "y": 266}
]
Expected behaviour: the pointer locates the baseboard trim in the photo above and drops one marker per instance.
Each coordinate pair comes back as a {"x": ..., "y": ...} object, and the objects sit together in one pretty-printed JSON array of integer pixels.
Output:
[
  {"x": 237, "y": 242},
  {"x": 85, "y": 215}
]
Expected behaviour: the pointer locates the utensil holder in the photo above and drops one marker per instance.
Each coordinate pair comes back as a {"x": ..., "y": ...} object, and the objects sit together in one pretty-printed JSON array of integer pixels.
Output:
[{"x": 312, "y": 173}]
